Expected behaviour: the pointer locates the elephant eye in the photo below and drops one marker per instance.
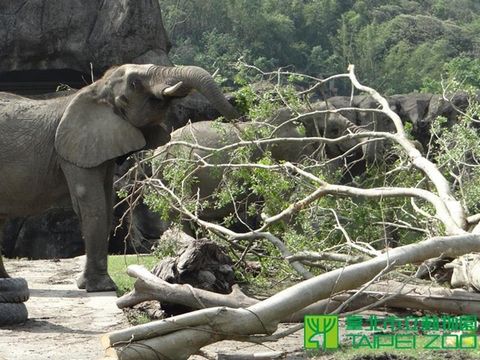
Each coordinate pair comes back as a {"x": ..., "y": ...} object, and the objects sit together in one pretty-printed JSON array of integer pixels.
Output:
[{"x": 135, "y": 84}]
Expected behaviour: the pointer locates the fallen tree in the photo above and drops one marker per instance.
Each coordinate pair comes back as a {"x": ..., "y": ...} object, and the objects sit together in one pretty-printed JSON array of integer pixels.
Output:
[
  {"x": 184, "y": 335},
  {"x": 385, "y": 293},
  {"x": 181, "y": 336}
]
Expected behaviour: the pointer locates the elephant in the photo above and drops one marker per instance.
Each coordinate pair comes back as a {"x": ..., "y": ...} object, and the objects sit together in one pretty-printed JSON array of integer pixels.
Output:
[
  {"x": 411, "y": 108},
  {"x": 348, "y": 154},
  {"x": 66, "y": 147},
  {"x": 56, "y": 232},
  {"x": 418, "y": 109},
  {"x": 216, "y": 135}
]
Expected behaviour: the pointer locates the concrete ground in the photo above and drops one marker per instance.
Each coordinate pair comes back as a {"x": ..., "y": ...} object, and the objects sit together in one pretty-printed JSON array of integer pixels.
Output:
[{"x": 64, "y": 322}]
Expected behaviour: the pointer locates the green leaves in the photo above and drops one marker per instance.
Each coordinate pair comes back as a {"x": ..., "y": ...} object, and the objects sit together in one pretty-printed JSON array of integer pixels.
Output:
[
  {"x": 459, "y": 74},
  {"x": 457, "y": 151},
  {"x": 396, "y": 45}
]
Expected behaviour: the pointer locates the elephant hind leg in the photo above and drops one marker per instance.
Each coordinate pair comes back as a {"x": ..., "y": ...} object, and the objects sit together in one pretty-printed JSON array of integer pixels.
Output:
[{"x": 3, "y": 272}]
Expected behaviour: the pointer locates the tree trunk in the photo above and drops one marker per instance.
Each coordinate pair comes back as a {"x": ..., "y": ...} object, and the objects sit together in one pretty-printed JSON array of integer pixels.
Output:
[{"x": 169, "y": 339}]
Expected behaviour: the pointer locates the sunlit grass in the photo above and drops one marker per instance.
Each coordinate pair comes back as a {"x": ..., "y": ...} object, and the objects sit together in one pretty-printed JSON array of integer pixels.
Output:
[{"x": 117, "y": 268}]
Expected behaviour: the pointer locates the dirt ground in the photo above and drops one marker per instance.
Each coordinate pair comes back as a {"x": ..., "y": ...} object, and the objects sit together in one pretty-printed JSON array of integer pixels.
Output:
[{"x": 64, "y": 322}]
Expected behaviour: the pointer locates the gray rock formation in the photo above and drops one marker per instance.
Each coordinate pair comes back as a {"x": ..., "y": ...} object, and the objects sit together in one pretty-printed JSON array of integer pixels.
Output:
[
  {"x": 71, "y": 34},
  {"x": 51, "y": 235}
]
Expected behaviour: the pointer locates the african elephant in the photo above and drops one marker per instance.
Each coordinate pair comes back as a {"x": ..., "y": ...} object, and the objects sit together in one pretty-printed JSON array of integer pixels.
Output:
[
  {"x": 66, "y": 147},
  {"x": 419, "y": 110},
  {"x": 412, "y": 108},
  {"x": 348, "y": 155},
  {"x": 216, "y": 135}
]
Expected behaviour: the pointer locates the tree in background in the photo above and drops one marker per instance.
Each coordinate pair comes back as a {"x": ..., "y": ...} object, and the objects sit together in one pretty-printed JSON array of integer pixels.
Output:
[{"x": 396, "y": 45}]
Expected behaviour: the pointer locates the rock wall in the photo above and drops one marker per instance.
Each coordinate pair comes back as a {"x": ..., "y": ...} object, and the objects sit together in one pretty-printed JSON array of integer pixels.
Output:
[
  {"x": 71, "y": 34},
  {"x": 54, "y": 234}
]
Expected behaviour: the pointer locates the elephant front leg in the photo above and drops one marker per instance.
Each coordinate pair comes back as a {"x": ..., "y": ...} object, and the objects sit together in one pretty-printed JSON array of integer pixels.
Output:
[
  {"x": 89, "y": 198},
  {"x": 95, "y": 275}
]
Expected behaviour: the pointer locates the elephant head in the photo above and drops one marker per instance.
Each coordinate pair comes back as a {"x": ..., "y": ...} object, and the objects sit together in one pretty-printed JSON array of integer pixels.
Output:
[
  {"x": 413, "y": 108},
  {"x": 127, "y": 110}
]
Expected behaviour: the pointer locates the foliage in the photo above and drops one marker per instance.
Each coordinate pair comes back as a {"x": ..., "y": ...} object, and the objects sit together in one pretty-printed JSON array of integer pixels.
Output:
[
  {"x": 396, "y": 45},
  {"x": 167, "y": 247},
  {"x": 460, "y": 73},
  {"x": 321, "y": 226},
  {"x": 456, "y": 148},
  {"x": 457, "y": 151}
]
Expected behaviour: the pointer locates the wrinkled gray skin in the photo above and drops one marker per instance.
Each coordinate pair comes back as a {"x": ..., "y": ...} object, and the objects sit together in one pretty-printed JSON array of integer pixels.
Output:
[
  {"x": 418, "y": 109},
  {"x": 217, "y": 135},
  {"x": 410, "y": 107},
  {"x": 362, "y": 150},
  {"x": 66, "y": 147}
]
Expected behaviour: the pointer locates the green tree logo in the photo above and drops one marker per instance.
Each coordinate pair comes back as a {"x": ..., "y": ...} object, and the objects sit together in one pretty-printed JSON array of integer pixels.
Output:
[{"x": 320, "y": 332}]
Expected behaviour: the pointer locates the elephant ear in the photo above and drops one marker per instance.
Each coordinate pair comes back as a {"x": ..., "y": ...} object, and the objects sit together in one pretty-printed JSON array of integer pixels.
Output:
[{"x": 90, "y": 133}]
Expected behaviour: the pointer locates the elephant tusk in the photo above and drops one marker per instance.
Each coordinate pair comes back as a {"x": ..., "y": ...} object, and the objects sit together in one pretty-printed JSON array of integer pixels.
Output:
[
  {"x": 171, "y": 90},
  {"x": 166, "y": 128}
]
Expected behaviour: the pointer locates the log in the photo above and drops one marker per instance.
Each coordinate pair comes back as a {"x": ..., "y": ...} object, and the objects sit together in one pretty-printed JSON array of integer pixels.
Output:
[
  {"x": 466, "y": 272},
  {"x": 263, "y": 317},
  {"x": 403, "y": 296},
  {"x": 150, "y": 348},
  {"x": 201, "y": 263},
  {"x": 436, "y": 299},
  {"x": 322, "y": 256},
  {"x": 257, "y": 356},
  {"x": 418, "y": 297},
  {"x": 150, "y": 287},
  {"x": 433, "y": 299},
  {"x": 434, "y": 268},
  {"x": 156, "y": 328}
]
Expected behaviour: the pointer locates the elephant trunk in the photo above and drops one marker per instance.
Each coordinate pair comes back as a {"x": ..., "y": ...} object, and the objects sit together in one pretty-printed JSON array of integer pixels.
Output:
[{"x": 185, "y": 78}]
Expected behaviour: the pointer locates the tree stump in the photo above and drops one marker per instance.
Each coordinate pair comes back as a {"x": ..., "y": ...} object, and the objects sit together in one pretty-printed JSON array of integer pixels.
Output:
[{"x": 201, "y": 263}]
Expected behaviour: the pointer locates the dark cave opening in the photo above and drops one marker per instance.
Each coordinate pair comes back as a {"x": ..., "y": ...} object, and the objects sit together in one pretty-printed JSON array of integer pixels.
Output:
[{"x": 33, "y": 82}]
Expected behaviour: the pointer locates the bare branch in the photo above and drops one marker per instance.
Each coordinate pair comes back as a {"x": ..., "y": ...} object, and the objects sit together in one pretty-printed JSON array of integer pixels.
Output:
[
  {"x": 320, "y": 256},
  {"x": 453, "y": 206},
  {"x": 184, "y": 335}
]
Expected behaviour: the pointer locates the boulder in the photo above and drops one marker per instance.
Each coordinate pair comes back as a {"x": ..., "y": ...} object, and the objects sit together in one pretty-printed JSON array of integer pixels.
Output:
[
  {"x": 52, "y": 34},
  {"x": 51, "y": 235}
]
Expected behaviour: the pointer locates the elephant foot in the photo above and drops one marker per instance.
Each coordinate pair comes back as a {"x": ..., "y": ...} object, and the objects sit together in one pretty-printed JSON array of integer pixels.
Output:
[
  {"x": 81, "y": 282},
  {"x": 96, "y": 283}
]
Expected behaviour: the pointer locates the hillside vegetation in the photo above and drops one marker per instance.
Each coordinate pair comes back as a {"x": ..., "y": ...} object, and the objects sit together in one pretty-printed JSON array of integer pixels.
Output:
[{"x": 398, "y": 46}]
